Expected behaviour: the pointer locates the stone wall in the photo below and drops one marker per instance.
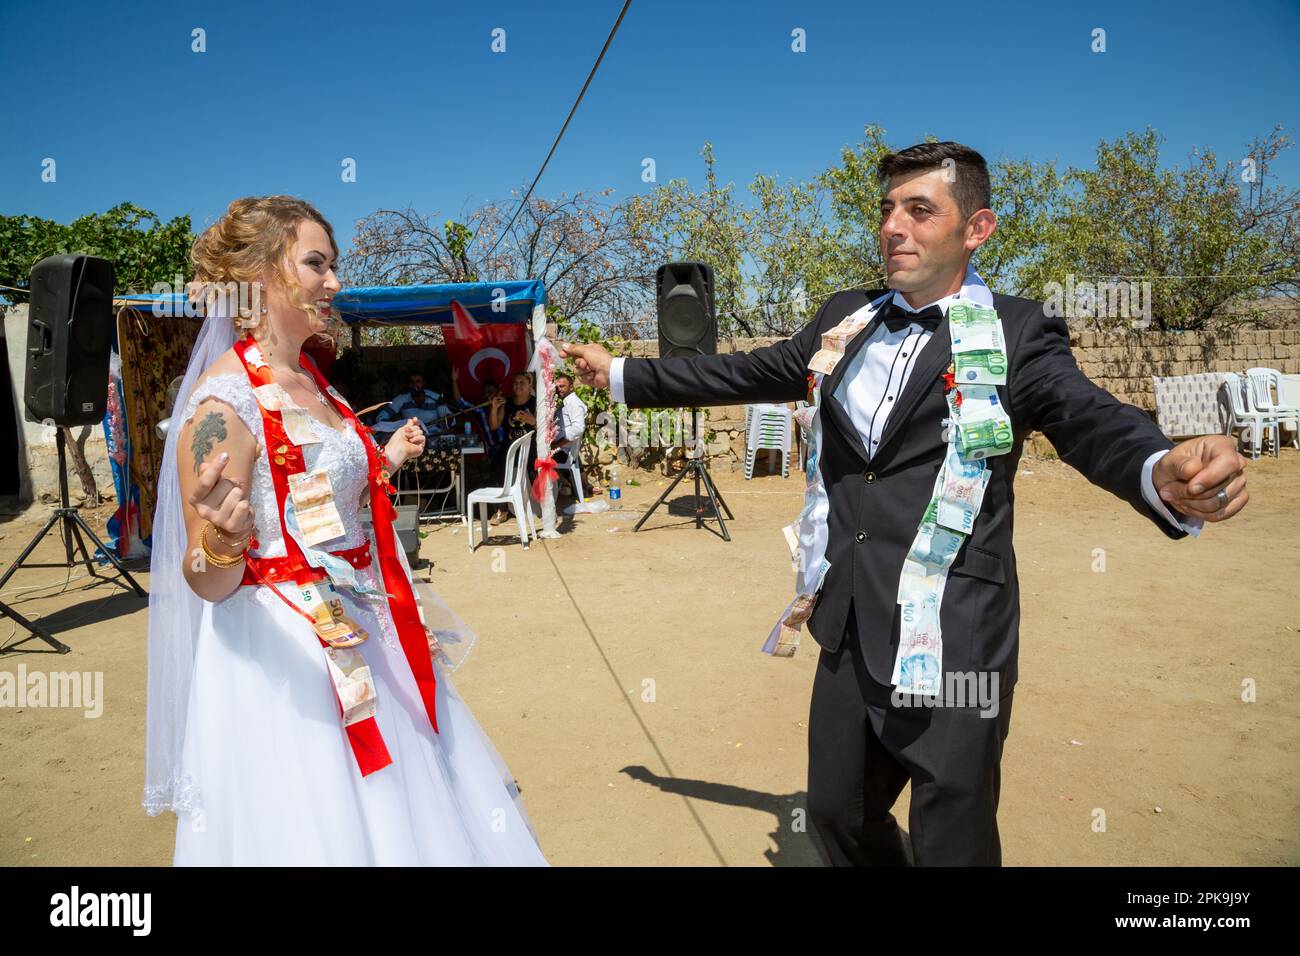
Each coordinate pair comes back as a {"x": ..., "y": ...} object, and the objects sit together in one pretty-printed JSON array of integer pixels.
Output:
[
  {"x": 1124, "y": 364},
  {"x": 1121, "y": 363}
]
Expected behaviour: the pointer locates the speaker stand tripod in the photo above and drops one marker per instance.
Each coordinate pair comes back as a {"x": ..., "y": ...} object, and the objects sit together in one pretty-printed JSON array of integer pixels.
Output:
[
  {"x": 699, "y": 469},
  {"x": 71, "y": 525}
]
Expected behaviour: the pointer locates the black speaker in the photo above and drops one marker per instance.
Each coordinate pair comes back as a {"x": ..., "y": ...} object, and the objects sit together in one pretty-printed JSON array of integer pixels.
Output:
[
  {"x": 69, "y": 334},
  {"x": 684, "y": 301}
]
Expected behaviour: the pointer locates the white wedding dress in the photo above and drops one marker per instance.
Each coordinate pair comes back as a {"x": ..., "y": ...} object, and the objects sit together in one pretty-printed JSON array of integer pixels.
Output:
[{"x": 278, "y": 782}]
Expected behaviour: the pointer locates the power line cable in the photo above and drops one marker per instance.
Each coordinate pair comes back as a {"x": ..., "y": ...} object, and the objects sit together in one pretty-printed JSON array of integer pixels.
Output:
[{"x": 608, "y": 40}]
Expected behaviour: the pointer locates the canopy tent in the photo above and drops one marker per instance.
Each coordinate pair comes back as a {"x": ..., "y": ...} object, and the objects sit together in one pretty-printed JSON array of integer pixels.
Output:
[
  {"x": 378, "y": 305},
  {"x": 487, "y": 302},
  {"x": 156, "y": 332}
]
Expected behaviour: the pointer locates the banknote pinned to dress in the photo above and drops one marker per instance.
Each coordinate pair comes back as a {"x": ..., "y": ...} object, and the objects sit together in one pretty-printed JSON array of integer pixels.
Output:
[
  {"x": 297, "y": 423},
  {"x": 313, "y": 504},
  {"x": 353, "y": 683}
]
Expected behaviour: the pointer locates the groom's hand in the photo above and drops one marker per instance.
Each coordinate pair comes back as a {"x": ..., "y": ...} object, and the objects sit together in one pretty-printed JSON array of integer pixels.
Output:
[
  {"x": 591, "y": 361},
  {"x": 1203, "y": 478}
]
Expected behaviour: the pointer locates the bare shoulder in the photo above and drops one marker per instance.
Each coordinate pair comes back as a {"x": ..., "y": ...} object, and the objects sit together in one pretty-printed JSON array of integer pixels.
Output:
[
  {"x": 227, "y": 363},
  {"x": 214, "y": 416}
]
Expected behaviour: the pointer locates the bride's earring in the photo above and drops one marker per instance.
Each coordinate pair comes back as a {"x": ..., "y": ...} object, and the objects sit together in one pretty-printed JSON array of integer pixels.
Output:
[{"x": 251, "y": 321}]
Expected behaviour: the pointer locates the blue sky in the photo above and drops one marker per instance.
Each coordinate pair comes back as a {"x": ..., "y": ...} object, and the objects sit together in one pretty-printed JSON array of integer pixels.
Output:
[{"x": 435, "y": 119}]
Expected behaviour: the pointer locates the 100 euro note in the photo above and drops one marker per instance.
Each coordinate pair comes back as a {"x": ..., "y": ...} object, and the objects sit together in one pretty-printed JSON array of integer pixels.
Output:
[{"x": 979, "y": 350}]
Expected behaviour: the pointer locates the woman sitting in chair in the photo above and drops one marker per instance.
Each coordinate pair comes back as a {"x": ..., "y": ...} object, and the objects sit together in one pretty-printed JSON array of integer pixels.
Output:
[{"x": 517, "y": 415}]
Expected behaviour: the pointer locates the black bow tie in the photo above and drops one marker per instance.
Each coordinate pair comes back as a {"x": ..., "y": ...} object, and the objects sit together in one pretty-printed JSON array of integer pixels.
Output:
[{"x": 897, "y": 318}]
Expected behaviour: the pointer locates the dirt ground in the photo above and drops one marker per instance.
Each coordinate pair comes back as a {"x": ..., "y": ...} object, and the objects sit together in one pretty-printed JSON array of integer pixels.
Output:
[{"x": 619, "y": 675}]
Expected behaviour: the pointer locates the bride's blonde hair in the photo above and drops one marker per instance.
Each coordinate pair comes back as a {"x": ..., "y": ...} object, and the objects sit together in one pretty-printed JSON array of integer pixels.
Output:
[{"x": 252, "y": 238}]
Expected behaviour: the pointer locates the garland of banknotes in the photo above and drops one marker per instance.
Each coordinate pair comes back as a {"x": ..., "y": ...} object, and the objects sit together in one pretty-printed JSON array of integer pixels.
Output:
[
  {"x": 978, "y": 428},
  {"x": 806, "y": 536}
]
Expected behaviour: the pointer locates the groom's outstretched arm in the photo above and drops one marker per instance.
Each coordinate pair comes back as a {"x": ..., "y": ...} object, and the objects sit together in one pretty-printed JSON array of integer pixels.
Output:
[
  {"x": 1114, "y": 445},
  {"x": 773, "y": 373}
]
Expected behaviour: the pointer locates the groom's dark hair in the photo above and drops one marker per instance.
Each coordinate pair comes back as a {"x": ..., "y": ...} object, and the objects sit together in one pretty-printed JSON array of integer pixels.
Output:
[{"x": 970, "y": 183}]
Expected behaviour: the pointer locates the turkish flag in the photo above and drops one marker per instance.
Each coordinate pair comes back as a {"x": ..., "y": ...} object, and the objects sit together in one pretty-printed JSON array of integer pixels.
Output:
[{"x": 484, "y": 353}]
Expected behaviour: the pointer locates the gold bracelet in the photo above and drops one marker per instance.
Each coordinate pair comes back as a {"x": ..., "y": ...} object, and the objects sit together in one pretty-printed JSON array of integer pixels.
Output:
[
  {"x": 240, "y": 542},
  {"x": 217, "y": 560}
]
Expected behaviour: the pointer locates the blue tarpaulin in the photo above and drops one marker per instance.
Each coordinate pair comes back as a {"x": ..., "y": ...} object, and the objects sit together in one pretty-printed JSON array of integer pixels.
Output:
[{"x": 488, "y": 302}]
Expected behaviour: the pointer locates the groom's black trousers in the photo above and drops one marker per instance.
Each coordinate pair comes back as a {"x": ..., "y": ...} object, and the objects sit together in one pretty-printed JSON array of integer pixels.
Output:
[{"x": 862, "y": 749}]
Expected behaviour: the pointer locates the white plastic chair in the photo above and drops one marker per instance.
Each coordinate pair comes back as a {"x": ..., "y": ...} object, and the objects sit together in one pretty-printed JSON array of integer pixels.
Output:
[
  {"x": 1238, "y": 414},
  {"x": 1288, "y": 392},
  {"x": 571, "y": 466},
  {"x": 513, "y": 493},
  {"x": 1260, "y": 384},
  {"x": 768, "y": 427}
]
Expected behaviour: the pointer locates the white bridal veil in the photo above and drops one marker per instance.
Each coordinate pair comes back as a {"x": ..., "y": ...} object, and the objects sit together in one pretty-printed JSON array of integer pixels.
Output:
[{"x": 174, "y": 609}]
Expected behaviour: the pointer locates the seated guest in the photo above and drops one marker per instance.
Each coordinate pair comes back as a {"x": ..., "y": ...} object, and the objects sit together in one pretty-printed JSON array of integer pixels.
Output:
[
  {"x": 465, "y": 409},
  {"x": 416, "y": 402},
  {"x": 516, "y": 416},
  {"x": 571, "y": 421}
]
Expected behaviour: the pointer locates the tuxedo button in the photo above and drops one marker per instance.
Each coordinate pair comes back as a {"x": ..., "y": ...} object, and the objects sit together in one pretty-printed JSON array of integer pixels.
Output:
[
  {"x": 869, "y": 477},
  {"x": 862, "y": 536}
]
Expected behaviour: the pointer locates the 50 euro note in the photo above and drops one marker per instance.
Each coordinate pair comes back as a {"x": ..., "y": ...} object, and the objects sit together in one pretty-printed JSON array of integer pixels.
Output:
[
  {"x": 313, "y": 503},
  {"x": 298, "y": 426},
  {"x": 834, "y": 341},
  {"x": 783, "y": 640}
]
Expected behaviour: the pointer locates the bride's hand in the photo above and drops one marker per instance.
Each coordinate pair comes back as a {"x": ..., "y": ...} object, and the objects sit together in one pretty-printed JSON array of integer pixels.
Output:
[
  {"x": 434, "y": 647},
  {"x": 222, "y": 501},
  {"x": 407, "y": 443}
]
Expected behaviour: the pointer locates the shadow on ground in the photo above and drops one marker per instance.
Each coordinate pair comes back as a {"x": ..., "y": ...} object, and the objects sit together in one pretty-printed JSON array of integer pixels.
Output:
[{"x": 796, "y": 841}]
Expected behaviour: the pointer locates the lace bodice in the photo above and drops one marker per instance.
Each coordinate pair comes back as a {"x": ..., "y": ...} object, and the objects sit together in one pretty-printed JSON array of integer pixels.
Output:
[{"x": 340, "y": 452}]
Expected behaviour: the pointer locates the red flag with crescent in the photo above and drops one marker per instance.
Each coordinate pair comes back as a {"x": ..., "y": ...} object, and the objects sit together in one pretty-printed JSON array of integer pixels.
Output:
[{"x": 488, "y": 352}]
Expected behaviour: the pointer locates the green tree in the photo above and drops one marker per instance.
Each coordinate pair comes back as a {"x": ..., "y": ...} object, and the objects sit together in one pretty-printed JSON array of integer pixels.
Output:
[
  {"x": 1201, "y": 242},
  {"x": 674, "y": 222},
  {"x": 143, "y": 249}
]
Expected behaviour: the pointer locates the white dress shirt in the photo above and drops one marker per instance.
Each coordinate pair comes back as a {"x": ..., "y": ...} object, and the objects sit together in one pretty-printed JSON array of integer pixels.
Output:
[
  {"x": 877, "y": 374},
  {"x": 572, "y": 417}
]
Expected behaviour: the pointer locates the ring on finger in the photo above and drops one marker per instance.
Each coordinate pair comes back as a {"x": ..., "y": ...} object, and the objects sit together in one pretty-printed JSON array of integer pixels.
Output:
[{"x": 1222, "y": 498}]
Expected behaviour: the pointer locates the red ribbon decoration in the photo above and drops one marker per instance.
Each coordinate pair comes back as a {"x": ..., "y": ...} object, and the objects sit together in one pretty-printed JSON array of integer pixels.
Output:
[
  {"x": 275, "y": 570},
  {"x": 367, "y": 744},
  {"x": 950, "y": 383},
  {"x": 547, "y": 471}
]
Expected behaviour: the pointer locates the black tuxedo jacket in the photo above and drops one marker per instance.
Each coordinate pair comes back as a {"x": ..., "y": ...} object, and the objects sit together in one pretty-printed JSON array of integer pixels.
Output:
[{"x": 876, "y": 501}]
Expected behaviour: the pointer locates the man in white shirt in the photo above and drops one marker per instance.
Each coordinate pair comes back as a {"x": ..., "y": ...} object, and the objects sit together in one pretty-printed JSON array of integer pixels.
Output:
[
  {"x": 416, "y": 402},
  {"x": 571, "y": 419}
]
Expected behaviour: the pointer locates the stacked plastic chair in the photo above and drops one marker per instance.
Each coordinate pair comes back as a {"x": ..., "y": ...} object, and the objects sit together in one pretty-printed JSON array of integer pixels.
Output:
[
  {"x": 1261, "y": 384},
  {"x": 768, "y": 427}
]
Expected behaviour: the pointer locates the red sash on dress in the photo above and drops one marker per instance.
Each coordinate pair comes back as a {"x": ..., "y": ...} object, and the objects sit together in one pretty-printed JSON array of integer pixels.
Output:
[{"x": 284, "y": 459}]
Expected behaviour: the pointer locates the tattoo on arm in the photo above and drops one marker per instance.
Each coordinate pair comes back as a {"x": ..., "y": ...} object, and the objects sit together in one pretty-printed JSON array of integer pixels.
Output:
[{"x": 206, "y": 434}]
